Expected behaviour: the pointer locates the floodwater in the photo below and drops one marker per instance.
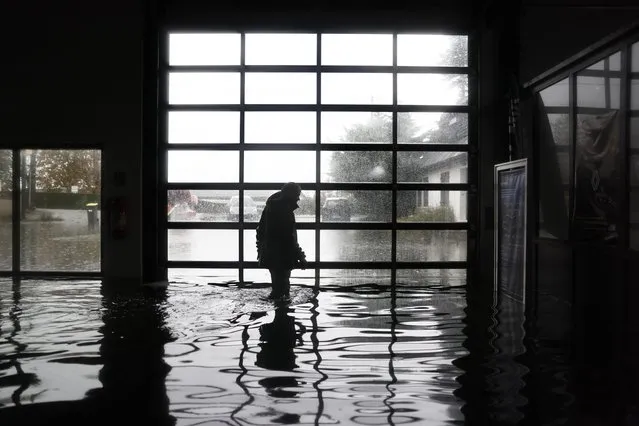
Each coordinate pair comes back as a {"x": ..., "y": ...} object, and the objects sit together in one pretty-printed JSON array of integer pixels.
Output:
[
  {"x": 72, "y": 352},
  {"x": 62, "y": 242}
]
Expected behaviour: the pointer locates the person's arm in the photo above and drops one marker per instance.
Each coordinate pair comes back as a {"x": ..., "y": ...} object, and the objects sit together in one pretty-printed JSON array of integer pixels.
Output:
[{"x": 300, "y": 256}]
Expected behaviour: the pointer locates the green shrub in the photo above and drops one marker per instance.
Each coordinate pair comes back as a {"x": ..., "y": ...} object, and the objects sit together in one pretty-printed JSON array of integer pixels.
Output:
[{"x": 431, "y": 214}]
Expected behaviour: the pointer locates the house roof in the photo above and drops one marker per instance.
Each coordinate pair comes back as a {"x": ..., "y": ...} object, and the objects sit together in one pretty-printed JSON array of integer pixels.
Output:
[{"x": 437, "y": 157}]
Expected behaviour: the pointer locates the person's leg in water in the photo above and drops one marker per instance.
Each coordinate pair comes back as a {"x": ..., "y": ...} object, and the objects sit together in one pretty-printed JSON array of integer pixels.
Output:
[
  {"x": 280, "y": 283},
  {"x": 275, "y": 284}
]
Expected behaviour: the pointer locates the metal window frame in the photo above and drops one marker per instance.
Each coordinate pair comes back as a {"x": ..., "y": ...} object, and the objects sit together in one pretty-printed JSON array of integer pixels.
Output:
[
  {"x": 622, "y": 42},
  {"x": 571, "y": 70},
  {"x": 318, "y": 107}
]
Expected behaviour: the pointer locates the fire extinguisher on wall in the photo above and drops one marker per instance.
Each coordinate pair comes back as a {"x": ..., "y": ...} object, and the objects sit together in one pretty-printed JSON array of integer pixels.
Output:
[{"x": 118, "y": 218}]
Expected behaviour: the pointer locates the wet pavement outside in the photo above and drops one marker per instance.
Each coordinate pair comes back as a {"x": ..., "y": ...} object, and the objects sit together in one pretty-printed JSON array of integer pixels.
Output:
[
  {"x": 63, "y": 241},
  {"x": 72, "y": 352},
  {"x": 54, "y": 240}
]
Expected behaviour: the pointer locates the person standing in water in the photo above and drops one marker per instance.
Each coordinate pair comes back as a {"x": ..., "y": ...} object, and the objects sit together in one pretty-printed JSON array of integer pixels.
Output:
[{"x": 276, "y": 239}]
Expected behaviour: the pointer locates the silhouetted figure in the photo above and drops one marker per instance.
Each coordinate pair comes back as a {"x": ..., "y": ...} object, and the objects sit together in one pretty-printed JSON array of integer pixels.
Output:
[
  {"x": 277, "y": 341},
  {"x": 276, "y": 239}
]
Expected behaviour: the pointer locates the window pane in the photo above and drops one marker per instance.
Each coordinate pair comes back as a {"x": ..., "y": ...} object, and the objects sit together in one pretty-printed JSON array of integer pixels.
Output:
[
  {"x": 305, "y": 238},
  {"x": 554, "y": 158},
  {"x": 357, "y": 88},
  {"x": 60, "y": 227},
  {"x": 598, "y": 92},
  {"x": 204, "y": 127},
  {"x": 204, "y": 49},
  {"x": 432, "y": 127},
  {"x": 557, "y": 95},
  {"x": 357, "y": 127},
  {"x": 356, "y": 206},
  {"x": 635, "y": 57},
  {"x": 432, "y": 50},
  {"x": 202, "y": 276},
  {"x": 357, "y": 49},
  {"x": 6, "y": 209},
  {"x": 281, "y": 88},
  {"x": 280, "y": 127},
  {"x": 281, "y": 49},
  {"x": 279, "y": 166},
  {"x": 203, "y": 244},
  {"x": 432, "y": 206},
  {"x": 597, "y": 191},
  {"x": 431, "y": 246},
  {"x": 305, "y": 212},
  {"x": 611, "y": 63},
  {"x": 355, "y": 245},
  {"x": 354, "y": 277},
  {"x": 432, "y": 89},
  {"x": 204, "y": 88},
  {"x": 203, "y": 166},
  {"x": 432, "y": 167},
  {"x": 356, "y": 166},
  {"x": 431, "y": 277},
  {"x": 187, "y": 205}
]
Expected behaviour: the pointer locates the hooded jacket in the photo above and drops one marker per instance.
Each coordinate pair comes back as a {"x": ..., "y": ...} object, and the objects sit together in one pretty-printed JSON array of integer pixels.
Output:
[{"x": 276, "y": 236}]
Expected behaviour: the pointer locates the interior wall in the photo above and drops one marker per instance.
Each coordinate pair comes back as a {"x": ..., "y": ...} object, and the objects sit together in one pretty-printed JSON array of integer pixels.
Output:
[
  {"x": 553, "y": 31},
  {"x": 72, "y": 74},
  {"x": 444, "y": 15}
]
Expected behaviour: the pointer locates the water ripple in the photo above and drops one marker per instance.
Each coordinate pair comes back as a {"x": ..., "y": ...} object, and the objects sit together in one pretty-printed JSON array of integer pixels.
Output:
[{"x": 202, "y": 354}]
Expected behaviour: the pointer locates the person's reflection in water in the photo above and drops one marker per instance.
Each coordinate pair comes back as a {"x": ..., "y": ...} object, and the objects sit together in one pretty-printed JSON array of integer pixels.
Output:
[
  {"x": 132, "y": 350},
  {"x": 277, "y": 352}
]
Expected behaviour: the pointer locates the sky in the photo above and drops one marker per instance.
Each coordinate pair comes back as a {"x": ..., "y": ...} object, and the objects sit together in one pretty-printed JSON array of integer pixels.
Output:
[{"x": 202, "y": 88}]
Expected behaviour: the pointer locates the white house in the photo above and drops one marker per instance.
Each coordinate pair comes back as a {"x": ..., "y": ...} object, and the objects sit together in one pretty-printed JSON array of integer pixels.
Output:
[{"x": 445, "y": 167}]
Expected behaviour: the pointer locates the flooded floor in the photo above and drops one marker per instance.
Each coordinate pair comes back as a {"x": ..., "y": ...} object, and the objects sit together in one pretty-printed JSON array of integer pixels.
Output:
[{"x": 198, "y": 354}]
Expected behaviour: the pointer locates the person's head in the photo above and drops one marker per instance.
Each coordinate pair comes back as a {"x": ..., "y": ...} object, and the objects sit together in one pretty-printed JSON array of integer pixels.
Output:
[{"x": 291, "y": 191}]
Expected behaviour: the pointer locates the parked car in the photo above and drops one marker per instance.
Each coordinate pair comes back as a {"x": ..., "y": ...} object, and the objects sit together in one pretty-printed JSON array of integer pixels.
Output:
[
  {"x": 250, "y": 209},
  {"x": 336, "y": 209}
]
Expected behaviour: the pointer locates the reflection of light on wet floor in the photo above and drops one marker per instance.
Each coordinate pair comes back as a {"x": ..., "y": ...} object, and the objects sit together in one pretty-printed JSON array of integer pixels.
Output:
[
  {"x": 343, "y": 355},
  {"x": 357, "y": 357}
]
